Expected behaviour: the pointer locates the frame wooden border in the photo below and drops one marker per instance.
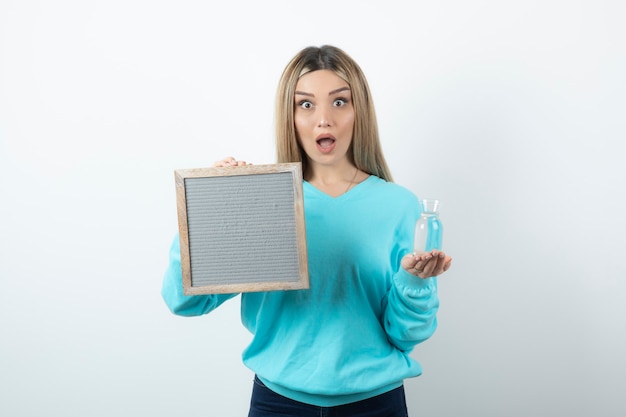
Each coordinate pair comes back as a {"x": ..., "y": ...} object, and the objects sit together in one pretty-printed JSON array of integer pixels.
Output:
[{"x": 267, "y": 283}]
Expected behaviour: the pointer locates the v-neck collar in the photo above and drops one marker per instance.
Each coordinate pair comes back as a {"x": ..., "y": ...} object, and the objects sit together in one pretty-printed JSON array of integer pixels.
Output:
[{"x": 348, "y": 193}]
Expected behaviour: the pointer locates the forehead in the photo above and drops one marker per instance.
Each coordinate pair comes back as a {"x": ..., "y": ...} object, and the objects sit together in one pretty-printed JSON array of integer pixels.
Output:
[{"x": 320, "y": 82}]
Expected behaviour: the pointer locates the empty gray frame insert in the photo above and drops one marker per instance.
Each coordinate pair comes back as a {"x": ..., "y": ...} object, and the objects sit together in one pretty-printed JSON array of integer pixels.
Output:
[{"x": 242, "y": 229}]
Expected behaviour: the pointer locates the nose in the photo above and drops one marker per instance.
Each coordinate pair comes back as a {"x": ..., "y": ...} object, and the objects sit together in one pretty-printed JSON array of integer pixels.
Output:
[
  {"x": 324, "y": 117},
  {"x": 323, "y": 123}
]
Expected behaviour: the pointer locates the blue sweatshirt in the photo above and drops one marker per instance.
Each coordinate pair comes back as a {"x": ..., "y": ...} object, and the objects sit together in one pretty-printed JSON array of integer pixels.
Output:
[{"x": 349, "y": 336}]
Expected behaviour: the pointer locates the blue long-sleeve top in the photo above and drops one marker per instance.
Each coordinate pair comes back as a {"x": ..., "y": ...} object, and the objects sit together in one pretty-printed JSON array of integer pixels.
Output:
[{"x": 350, "y": 335}]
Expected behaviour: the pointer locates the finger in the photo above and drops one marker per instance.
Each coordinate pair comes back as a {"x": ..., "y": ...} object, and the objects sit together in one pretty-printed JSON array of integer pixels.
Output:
[
  {"x": 436, "y": 264},
  {"x": 421, "y": 262},
  {"x": 429, "y": 268},
  {"x": 232, "y": 162},
  {"x": 423, "y": 259},
  {"x": 443, "y": 263},
  {"x": 439, "y": 268},
  {"x": 408, "y": 262},
  {"x": 224, "y": 162},
  {"x": 447, "y": 263}
]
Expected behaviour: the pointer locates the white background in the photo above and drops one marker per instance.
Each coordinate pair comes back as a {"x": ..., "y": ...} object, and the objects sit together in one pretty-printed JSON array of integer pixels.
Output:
[{"x": 511, "y": 112}]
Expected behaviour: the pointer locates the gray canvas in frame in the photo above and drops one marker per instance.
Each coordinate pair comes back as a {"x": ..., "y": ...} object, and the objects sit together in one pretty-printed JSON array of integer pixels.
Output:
[{"x": 242, "y": 230}]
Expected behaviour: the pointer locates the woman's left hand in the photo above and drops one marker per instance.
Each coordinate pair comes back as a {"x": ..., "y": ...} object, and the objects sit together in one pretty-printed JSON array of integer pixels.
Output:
[{"x": 427, "y": 264}]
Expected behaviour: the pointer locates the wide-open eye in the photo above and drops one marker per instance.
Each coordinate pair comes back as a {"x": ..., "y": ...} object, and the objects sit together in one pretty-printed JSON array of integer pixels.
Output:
[
  {"x": 339, "y": 102},
  {"x": 305, "y": 104}
]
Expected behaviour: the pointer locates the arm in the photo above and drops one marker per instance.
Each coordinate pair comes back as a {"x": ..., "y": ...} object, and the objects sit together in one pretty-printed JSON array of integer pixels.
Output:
[
  {"x": 172, "y": 290},
  {"x": 410, "y": 310}
]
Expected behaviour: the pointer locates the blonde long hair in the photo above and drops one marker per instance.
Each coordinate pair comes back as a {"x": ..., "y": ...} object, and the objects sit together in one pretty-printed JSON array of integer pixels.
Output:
[{"x": 366, "y": 151}]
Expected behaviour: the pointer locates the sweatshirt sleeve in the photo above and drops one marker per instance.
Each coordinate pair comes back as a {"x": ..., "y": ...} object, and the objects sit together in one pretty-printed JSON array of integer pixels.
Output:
[
  {"x": 411, "y": 310},
  {"x": 411, "y": 304},
  {"x": 172, "y": 289}
]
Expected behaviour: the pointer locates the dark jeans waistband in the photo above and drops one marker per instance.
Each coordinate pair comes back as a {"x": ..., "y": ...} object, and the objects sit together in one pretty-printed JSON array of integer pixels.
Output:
[{"x": 267, "y": 403}]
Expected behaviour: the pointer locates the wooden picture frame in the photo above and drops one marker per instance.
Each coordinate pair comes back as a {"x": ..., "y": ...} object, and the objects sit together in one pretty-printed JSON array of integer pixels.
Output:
[{"x": 242, "y": 229}]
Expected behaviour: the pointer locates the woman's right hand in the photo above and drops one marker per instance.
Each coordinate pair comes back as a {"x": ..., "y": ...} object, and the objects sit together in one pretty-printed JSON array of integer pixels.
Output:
[{"x": 229, "y": 162}]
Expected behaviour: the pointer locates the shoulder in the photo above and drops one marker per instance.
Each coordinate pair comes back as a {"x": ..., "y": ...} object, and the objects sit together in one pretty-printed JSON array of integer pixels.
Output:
[
  {"x": 391, "y": 201},
  {"x": 392, "y": 191}
]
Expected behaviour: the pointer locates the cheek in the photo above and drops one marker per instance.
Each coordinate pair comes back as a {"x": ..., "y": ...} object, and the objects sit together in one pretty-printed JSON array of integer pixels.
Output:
[
  {"x": 300, "y": 123},
  {"x": 299, "y": 132},
  {"x": 348, "y": 123}
]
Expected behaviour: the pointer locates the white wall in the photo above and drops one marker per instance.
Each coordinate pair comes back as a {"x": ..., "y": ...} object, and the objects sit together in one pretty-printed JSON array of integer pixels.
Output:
[{"x": 511, "y": 112}]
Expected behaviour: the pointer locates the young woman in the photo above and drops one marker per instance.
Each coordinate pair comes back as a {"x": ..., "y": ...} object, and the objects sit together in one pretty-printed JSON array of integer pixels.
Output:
[{"x": 342, "y": 347}]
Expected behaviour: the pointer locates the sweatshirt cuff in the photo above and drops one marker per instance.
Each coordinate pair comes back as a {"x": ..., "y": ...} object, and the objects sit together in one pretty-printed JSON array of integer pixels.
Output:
[{"x": 406, "y": 280}]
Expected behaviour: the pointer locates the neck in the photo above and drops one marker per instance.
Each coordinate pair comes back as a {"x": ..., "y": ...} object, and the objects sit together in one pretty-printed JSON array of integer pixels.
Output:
[
  {"x": 334, "y": 180},
  {"x": 330, "y": 174}
]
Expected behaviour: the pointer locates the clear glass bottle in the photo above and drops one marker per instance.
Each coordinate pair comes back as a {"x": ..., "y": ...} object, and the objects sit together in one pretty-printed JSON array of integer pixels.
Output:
[{"x": 428, "y": 229}]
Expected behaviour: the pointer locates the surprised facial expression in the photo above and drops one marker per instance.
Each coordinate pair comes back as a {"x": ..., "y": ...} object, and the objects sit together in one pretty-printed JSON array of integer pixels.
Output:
[{"x": 324, "y": 116}]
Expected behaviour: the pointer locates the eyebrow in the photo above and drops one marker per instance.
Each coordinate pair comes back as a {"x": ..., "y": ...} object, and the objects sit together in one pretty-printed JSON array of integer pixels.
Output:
[{"x": 339, "y": 90}]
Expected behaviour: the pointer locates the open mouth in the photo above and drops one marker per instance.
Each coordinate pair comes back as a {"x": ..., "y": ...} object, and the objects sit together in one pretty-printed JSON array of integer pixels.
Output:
[{"x": 325, "y": 143}]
